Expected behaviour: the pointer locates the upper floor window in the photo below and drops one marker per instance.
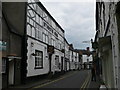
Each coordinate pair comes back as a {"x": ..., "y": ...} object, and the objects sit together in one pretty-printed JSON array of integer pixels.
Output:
[{"x": 29, "y": 29}]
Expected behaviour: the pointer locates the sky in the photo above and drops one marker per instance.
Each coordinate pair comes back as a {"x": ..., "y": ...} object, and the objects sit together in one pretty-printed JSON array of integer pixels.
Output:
[{"x": 76, "y": 17}]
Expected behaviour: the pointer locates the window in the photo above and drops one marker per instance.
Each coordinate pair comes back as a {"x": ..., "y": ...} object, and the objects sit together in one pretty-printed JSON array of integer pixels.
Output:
[
  {"x": 40, "y": 22},
  {"x": 33, "y": 32},
  {"x": 53, "y": 42},
  {"x": 57, "y": 60},
  {"x": 37, "y": 18},
  {"x": 28, "y": 19},
  {"x": 29, "y": 30},
  {"x": 38, "y": 59},
  {"x": 31, "y": 22},
  {"x": 3, "y": 65},
  {"x": 59, "y": 46},
  {"x": 44, "y": 38},
  {"x": 47, "y": 39},
  {"x": 37, "y": 34}
]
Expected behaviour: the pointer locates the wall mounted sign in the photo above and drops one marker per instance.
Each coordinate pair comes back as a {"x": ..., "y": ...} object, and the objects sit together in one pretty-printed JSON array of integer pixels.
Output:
[{"x": 3, "y": 45}]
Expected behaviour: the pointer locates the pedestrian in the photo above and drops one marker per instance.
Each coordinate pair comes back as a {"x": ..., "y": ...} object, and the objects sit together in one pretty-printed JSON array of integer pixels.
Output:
[{"x": 93, "y": 72}]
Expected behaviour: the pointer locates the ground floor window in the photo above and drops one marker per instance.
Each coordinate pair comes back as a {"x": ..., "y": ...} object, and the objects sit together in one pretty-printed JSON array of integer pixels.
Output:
[
  {"x": 3, "y": 65},
  {"x": 57, "y": 63},
  {"x": 38, "y": 59}
]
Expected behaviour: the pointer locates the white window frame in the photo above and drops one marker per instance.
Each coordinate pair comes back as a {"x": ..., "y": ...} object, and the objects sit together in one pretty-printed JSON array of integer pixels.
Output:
[{"x": 38, "y": 59}]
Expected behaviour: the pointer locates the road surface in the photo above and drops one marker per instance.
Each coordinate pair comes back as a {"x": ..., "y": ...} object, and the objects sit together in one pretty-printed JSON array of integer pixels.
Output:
[{"x": 76, "y": 79}]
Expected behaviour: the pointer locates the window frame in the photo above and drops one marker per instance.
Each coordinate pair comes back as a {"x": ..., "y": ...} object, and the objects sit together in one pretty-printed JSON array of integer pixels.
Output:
[
  {"x": 36, "y": 57},
  {"x": 4, "y": 66}
]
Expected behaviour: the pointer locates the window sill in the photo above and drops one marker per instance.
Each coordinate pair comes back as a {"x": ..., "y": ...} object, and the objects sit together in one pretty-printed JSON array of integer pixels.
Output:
[{"x": 38, "y": 68}]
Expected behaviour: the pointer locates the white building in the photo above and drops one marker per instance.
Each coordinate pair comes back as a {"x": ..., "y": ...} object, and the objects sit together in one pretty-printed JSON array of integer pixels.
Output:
[
  {"x": 42, "y": 32},
  {"x": 67, "y": 56},
  {"x": 74, "y": 59},
  {"x": 107, "y": 36}
]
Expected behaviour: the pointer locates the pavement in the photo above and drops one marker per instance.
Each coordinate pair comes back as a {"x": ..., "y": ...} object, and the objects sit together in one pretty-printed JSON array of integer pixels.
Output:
[{"x": 94, "y": 84}]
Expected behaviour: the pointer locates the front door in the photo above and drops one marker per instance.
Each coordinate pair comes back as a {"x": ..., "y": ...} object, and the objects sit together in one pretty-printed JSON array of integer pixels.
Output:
[
  {"x": 11, "y": 72},
  {"x": 61, "y": 63}
]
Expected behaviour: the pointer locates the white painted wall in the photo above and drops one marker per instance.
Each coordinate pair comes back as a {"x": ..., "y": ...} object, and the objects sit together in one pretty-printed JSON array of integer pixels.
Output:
[
  {"x": 85, "y": 57},
  {"x": 68, "y": 68},
  {"x": 113, "y": 32},
  {"x": 31, "y": 59}
]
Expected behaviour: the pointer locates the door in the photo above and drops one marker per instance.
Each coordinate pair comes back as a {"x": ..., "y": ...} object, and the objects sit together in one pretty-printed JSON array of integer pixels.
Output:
[
  {"x": 61, "y": 63},
  {"x": 11, "y": 73}
]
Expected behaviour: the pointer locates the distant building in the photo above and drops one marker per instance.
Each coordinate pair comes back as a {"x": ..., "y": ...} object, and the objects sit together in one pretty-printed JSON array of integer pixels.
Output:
[
  {"x": 75, "y": 58},
  {"x": 67, "y": 56}
]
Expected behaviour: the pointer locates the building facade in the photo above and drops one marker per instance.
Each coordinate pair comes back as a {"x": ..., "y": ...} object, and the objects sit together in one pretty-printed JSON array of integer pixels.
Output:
[
  {"x": 75, "y": 58},
  {"x": 33, "y": 43},
  {"x": 107, "y": 38},
  {"x": 67, "y": 56},
  {"x": 42, "y": 32},
  {"x": 12, "y": 42}
]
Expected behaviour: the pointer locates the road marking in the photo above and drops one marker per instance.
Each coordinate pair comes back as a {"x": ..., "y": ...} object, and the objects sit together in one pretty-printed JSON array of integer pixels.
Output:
[
  {"x": 89, "y": 81},
  {"x": 39, "y": 86},
  {"x": 86, "y": 81}
]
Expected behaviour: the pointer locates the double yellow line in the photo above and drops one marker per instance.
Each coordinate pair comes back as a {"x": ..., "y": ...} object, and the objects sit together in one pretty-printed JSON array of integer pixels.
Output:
[{"x": 86, "y": 82}]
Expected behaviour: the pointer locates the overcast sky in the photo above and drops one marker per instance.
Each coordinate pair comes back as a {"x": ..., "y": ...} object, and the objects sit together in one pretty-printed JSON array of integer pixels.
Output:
[{"x": 76, "y": 18}]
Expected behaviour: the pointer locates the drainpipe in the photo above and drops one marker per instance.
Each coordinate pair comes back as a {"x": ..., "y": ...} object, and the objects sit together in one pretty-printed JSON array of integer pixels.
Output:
[{"x": 24, "y": 50}]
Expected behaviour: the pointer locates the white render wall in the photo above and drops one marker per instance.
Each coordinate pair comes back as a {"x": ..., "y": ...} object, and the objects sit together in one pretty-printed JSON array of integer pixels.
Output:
[
  {"x": 31, "y": 59},
  {"x": 110, "y": 9},
  {"x": 72, "y": 63},
  {"x": 67, "y": 53}
]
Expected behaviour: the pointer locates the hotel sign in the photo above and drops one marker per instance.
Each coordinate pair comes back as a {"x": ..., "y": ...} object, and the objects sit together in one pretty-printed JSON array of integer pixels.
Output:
[{"x": 50, "y": 49}]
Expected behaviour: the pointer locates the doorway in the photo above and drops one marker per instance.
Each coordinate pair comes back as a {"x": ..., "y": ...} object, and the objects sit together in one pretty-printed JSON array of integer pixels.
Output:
[{"x": 11, "y": 73}]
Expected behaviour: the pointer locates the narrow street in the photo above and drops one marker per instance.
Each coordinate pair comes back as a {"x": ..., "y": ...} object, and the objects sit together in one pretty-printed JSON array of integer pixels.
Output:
[
  {"x": 77, "y": 79},
  {"x": 59, "y": 44}
]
